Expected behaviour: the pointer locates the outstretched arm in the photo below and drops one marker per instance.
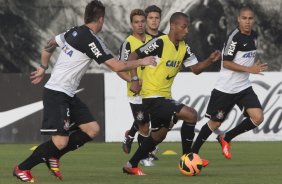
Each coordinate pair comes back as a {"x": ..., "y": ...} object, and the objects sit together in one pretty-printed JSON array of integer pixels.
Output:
[
  {"x": 256, "y": 68},
  {"x": 37, "y": 76},
  {"x": 118, "y": 66},
  {"x": 201, "y": 66}
]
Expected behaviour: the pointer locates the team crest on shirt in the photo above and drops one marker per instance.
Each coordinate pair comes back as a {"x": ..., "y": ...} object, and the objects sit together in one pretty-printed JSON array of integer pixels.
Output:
[
  {"x": 140, "y": 115},
  {"x": 74, "y": 34},
  {"x": 67, "y": 124},
  {"x": 220, "y": 115}
]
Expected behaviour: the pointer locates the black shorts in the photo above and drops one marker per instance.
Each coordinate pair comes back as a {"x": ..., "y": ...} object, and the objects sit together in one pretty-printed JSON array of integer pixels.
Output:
[
  {"x": 139, "y": 115},
  {"x": 221, "y": 103},
  {"x": 162, "y": 111},
  {"x": 63, "y": 113}
]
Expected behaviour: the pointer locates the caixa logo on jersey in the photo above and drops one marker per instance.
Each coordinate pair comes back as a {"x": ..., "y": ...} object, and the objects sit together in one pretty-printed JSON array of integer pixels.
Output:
[
  {"x": 250, "y": 55},
  {"x": 232, "y": 48},
  {"x": 95, "y": 50},
  {"x": 67, "y": 50}
]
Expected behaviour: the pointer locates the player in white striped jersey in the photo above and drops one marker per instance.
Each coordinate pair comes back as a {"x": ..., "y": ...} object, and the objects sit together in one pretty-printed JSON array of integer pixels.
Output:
[
  {"x": 63, "y": 110},
  {"x": 233, "y": 86}
]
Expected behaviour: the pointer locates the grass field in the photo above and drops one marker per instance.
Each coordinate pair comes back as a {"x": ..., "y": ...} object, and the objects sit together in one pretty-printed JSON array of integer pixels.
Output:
[{"x": 101, "y": 163}]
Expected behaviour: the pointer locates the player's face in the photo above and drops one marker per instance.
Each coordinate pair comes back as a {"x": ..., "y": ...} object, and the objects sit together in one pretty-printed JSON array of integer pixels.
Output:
[
  {"x": 138, "y": 24},
  {"x": 246, "y": 21},
  {"x": 181, "y": 28},
  {"x": 153, "y": 20}
]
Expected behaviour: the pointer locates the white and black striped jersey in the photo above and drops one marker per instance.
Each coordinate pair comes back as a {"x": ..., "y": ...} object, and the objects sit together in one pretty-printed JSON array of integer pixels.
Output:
[
  {"x": 79, "y": 46},
  {"x": 240, "y": 49}
]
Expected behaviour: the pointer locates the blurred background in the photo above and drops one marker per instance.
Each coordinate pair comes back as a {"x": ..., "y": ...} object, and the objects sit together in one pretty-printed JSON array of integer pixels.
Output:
[{"x": 26, "y": 25}]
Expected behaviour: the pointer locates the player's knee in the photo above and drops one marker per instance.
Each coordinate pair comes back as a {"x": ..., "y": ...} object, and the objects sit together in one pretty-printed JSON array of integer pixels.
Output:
[
  {"x": 213, "y": 125},
  {"x": 193, "y": 116},
  {"x": 257, "y": 119},
  {"x": 91, "y": 129},
  {"x": 188, "y": 114},
  {"x": 60, "y": 141},
  {"x": 144, "y": 129}
]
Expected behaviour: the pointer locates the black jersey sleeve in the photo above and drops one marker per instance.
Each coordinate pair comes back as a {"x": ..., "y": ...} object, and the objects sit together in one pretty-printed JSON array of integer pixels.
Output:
[
  {"x": 124, "y": 51},
  {"x": 152, "y": 48},
  {"x": 231, "y": 46},
  {"x": 84, "y": 40},
  {"x": 189, "y": 57},
  {"x": 98, "y": 51}
]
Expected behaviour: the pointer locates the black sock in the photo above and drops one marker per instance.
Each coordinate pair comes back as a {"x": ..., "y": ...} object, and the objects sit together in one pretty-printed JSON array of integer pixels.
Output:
[
  {"x": 187, "y": 136},
  {"x": 245, "y": 126},
  {"x": 148, "y": 145},
  {"x": 76, "y": 140},
  {"x": 140, "y": 139},
  {"x": 43, "y": 152},
  {"x": 134, "y": 128},
  {"x": 203, "y": 135}
]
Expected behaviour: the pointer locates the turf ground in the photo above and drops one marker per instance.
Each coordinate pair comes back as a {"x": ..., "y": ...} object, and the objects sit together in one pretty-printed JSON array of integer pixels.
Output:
[{"x": 101, "y": 163}]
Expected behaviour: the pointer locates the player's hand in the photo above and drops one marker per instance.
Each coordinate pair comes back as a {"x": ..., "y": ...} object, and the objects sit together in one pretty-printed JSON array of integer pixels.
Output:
[
  {"x": 37, "y": 75},
  {"x": 135, "y": 87},
  {"x": 258, "y": 67},
  {"x": 150, "y": 60},
  {"x": 215, "y": 56}
]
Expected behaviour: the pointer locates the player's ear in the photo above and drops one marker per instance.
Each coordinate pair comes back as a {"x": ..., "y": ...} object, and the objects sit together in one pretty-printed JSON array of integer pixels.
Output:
[
  {"x": 238, "y": 19},
  {"x": 101, "y": 19}
]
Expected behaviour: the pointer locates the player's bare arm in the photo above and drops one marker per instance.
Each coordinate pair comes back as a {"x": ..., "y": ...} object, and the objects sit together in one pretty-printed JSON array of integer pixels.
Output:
[
  {"x": 118, "y": 66},
  {"x": 256, "y": 68},
  {"x": 201, "y": 66},
  {"x": 124, "y": 75},
  {"x": 135, "y": 86},
  {"x": 37, "y": 76}
]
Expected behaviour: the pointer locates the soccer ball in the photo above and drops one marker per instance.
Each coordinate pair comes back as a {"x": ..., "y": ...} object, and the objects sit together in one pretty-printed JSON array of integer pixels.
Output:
[{"x": 190, "y": 164}]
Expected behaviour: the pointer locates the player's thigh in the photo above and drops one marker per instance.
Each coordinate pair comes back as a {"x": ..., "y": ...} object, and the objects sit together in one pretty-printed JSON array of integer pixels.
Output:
[
  {"x": 55, "y": 113},
  {"x": 162, "y": 112},
  {"x": 187, "y": 114},
  {"x": 139, "y": 114},
  {"x": 219, "y": 106},
  {"x": 250, "y": 105},
  {"x": 81, "y": 117}
]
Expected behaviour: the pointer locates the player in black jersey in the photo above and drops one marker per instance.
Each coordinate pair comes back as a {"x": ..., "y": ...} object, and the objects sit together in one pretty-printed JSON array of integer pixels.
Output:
[
  {"x": 233, "y": 86},
  {"x": 66, "y": 118},
  {"x": 153, "y": 19}
]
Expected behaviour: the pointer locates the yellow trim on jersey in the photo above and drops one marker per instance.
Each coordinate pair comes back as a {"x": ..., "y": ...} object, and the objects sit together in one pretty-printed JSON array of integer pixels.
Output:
[
  {"x": 135, "y": 44},
  {"x": 157, "y": 81}
]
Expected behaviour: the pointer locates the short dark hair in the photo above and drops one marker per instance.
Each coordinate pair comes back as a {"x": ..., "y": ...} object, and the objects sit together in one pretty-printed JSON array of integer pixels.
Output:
[
  {"x": 136, "y": 12},
  {"x": 244, "y": 8},
  {"x": 153, "y": 8},
  {"x": 175, "y": 16},
  {"x": 93, "y": 11}
]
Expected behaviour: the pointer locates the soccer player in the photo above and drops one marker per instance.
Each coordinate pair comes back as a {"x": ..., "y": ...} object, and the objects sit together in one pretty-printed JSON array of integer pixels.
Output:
[
  {"x": 172, "y": 52},
  {"x": 233, "y": 86},
  {"x": 63, "y": 110},
  {"x": 153, "y": 19},
  {"x": 132, "y": 42}
]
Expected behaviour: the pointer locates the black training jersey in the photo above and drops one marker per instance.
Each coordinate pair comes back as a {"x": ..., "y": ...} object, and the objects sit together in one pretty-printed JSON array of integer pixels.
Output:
[
  {"x": 240, "y": 49},
  {"x": 155, "y": 36},
  {"x": 79, "y": 46}
]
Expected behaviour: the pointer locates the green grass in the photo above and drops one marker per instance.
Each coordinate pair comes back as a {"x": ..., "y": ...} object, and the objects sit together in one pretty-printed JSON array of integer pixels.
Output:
[{"x": 101, "y": 163}]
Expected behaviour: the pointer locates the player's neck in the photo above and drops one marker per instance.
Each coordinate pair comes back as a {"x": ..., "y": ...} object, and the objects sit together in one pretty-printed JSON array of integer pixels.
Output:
[
  {"x": 153, "y": 32},
  {"x": 140, "y": 37},
  {"x": 93, "y": 26},
  {"x": 173, "y": 39}
]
